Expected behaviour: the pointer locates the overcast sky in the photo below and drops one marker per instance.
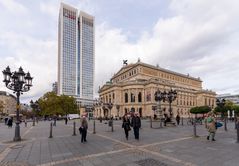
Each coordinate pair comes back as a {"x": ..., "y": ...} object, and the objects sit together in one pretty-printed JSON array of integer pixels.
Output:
[{"x": 199, "y": 37}]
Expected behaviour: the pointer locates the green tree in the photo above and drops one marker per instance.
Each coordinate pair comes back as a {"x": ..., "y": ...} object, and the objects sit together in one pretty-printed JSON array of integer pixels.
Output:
[
  {"x": 68, "y": 104},
  {"x": 236, "y": 109},
  {"x": 200, "y": 110},
  {"x": 51, "y": 104}
]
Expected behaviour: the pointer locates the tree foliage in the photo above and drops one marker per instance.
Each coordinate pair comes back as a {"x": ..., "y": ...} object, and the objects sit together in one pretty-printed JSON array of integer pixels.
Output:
[
  {"x": 200, "y": 110},
  {"x": 223, "y": 109},
  {"x": 51, "y": 104},
  {"x": 236, "y": 109}
]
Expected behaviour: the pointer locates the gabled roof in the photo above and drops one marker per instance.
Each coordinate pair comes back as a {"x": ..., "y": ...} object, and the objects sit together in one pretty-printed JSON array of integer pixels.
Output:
[{"x": 130, "y": 66}]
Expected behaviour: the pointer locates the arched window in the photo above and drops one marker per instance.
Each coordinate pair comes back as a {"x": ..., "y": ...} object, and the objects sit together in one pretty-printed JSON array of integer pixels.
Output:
[
  {"x": 126, "y": 97},
  {"x": 139, "y": 97}
]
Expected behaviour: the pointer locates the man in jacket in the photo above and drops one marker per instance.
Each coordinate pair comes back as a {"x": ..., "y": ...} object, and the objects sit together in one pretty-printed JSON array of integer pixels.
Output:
[
  {"x": 210, "y": 124},
  {"x": 136, "y": 124}
]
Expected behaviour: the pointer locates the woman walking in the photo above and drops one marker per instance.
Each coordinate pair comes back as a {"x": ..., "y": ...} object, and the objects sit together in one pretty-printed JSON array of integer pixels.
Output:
[
  {"x": 126, "y": 125},
  {"x": 84, "y": 127}
]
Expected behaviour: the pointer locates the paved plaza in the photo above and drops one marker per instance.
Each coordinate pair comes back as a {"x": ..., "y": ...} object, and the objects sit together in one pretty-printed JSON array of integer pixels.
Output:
[{"x": 168, "y": 146}]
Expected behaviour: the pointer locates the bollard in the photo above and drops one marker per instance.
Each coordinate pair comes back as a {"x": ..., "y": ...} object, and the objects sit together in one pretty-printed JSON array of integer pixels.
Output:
[
  {"x": 74, "y": 129},
  {"x": 194, "y": 128},
  {"x": 151, "y": 126},
  {"x": 50, "y": 131},
  {"x": 33, "y": 122},
  {"x": 182, "y": 121},
  {"x": 112, "y": 126},
  {"x": 94, "y": 127},
  {"x": 237, "y": 131}
]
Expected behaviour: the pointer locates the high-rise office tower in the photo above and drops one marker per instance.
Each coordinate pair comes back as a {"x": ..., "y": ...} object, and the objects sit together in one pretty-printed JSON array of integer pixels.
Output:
[{"x": 76, "y": 54}]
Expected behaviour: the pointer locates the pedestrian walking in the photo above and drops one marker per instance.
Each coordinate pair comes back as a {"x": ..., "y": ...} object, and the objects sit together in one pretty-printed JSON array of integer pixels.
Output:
[
  {"x": 210, "y": 124},
  {"x": 136, "y": 124},
  {"x": 9, "y": 122},
  {"x": 126, "y": 125},
  {"x": 66, "y": 120},
  {"x": 84, "y": 127},
  {"x": 178, "y": 119},
  {"x": 25, "y": 121},
  {"x": 54, "y": 120}
]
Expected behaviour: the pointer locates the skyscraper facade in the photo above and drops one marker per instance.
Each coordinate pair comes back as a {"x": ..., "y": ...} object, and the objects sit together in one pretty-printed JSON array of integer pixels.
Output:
[{"x": 76, "y": 54}]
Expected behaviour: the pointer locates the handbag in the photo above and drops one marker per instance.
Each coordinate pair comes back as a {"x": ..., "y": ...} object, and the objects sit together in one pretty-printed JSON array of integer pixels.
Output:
[
  {"x": 218, "y": 124},
  {"x": 128, "y": 128},
  {"x": 80, "y": 129}
]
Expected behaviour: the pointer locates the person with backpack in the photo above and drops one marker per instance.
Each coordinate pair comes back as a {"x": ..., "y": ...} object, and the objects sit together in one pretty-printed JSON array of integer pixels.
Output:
[{"x": 210, "y": 124}]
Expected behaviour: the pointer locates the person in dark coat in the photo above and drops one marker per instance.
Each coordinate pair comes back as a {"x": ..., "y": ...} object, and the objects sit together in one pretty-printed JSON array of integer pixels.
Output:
[
  {"x": 126, "y": 125},
  {"x": 136, "y": 124},
  {"x": 66, "y": 120},
  {"x": 178, "y": 119},
  {"x": 84, "y": 127},
  {"x": 9, "y": 122}
]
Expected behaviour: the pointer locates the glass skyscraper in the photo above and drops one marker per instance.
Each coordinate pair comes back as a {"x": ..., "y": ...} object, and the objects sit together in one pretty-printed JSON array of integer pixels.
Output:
[{"x": 76, "y": 54}]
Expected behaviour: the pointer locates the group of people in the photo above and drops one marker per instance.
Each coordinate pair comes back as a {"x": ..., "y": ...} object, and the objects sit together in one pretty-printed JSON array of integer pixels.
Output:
[
  {"x": 128, "y": 122},
  {"x": 135, "y": 123}
]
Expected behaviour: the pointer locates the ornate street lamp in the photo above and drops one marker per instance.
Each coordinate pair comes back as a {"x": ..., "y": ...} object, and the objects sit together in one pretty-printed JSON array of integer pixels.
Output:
[
  {"x": 170, "y": 97},
  {"x": 159, "y": 96},
  {"x": 19, "y": 82},
  {"x": 110, "y": 106},
  {"x": 35, "y": 107}
]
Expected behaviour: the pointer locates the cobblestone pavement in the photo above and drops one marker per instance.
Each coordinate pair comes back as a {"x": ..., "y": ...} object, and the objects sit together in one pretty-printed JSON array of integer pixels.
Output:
[{"x": 168, "y": 146}]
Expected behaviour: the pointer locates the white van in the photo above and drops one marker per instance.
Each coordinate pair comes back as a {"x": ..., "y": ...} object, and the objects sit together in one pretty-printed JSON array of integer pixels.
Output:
[{"x": 73, "y": 116}]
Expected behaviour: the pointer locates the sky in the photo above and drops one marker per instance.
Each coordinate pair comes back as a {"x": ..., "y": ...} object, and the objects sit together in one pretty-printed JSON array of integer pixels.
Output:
[{"x": 199, "y": 38}]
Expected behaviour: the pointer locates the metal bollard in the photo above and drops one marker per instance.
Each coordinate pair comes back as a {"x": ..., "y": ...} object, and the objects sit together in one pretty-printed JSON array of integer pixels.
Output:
[
  {"x": 74, "y": 129},
  {"x": 182, "y": 121},
  {"x": 151, "y": 126},
  {"x": 194, "y": 128},
  {"x": 112, "y": 126},
  {"x": 94, "y": 127},
  {"x": 33, "y": 122},
  {"x": 237, "y": 131},
  {"x": 50, "y": 131}
]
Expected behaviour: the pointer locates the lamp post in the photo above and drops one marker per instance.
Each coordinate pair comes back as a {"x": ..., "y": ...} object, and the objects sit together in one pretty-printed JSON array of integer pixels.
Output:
[
  {"x": 110, "y": 105},
  {"x": 221, "y": 103},
  {"x": 158, "y": 96},
  {"x": 170, "y": 97},
  {"x": 18, "y": 82},
  {"x": 34, "y": 106}
]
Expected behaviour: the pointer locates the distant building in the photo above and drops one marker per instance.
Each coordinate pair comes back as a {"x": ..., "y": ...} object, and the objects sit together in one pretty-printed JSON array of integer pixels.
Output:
[
  {"x": 9, "y": 102},
  {"x": 232, "y": 98},
  {"x": 54, "y": 87},
  {"x": 76, "y": 54},
  {"x": 133, "y": 87}
]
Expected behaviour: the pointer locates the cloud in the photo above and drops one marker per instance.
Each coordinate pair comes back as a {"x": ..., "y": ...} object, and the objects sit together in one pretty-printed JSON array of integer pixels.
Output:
[
  {"x": 34, "y": 55},
  {"x": 13, "y": 7},
  {"x": 197, "y": 37}
]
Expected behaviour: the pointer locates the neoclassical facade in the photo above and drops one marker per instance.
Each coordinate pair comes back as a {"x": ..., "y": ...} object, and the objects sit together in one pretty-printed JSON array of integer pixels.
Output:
[
  {"x": 9, "y": 103},
  {"x": 133, "y": 87}
]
